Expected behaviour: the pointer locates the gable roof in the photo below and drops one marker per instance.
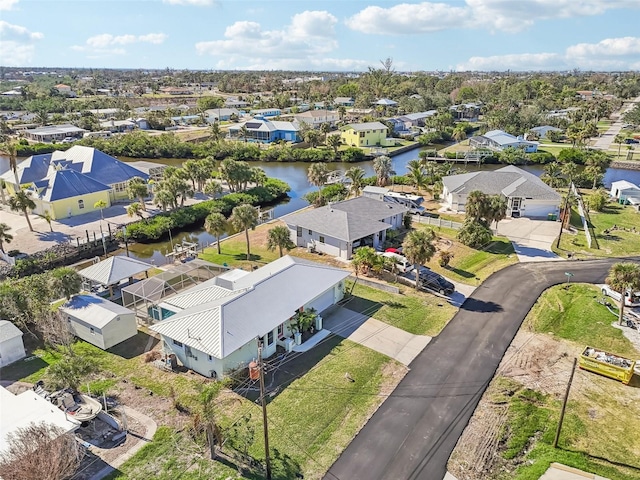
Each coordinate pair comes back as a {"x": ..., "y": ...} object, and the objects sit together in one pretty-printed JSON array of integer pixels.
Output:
[
  {"x": 504, "y": 138},
  {"x": 8, "y": 331},
  {"x": 348, "y": 220},
  {"x": 386, "y": 102},
  {"x": 94, "y": 310},
  {"x": 509, "y": 181},
  {"x": 359, "y": 127},
  {"x": 98, "y": 165},
  {"x": 65, "y": 183},
  {"x": 624, "y": 184},
  {"x": 222, "y": 326},
  {"x": 114, "y": 269}
]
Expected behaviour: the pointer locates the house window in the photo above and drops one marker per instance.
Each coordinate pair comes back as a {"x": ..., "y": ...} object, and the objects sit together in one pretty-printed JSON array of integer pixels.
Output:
[
  {"x": 210, "y": 358},
  {"x": 310, "y": 232},
  {"x": 299, "y": 231},
  {"x": 93, "y": 332},
  {"x": 270, "y": 338},
  {"x": 120, "y": 187},
  {"x": 81, "y": 204},
  {"x": 177, "y": 343},
  {"x": 321, "y": 239},
  {"x": 281, "y": 331}
]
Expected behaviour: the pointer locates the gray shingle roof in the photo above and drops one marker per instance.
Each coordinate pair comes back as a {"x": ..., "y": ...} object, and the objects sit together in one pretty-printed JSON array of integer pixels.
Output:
[
  {"x": 222, "y": 326},
  {"x": 348, "y": 220},
  {"x": 509, "y": 181}
]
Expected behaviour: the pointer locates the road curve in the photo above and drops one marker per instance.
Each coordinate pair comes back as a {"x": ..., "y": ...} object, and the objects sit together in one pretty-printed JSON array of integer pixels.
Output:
[{"x": 413, "y": 433}]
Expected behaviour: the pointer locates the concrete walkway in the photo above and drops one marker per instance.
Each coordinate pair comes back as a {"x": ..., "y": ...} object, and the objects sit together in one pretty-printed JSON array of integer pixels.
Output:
[
  {"x": 604, "y": 141},
  {"x": 376, "y": 335}
]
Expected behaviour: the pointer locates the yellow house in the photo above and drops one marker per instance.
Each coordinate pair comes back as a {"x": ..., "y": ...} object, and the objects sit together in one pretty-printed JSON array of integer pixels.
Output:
[
  {"x": 68, "y": 183},
  {"x": 372, "y": 134}
]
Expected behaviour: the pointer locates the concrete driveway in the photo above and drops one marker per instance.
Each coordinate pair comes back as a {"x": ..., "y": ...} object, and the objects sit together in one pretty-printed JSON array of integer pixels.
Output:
[
  {"x": 374, "y": 334},
  {"x": 531, "y": 239}
]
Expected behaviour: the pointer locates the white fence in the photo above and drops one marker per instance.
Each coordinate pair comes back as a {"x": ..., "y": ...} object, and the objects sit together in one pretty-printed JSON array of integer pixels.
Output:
[
  {"x": 584, "y": 216},
  {"x": 438, "y": 222}
]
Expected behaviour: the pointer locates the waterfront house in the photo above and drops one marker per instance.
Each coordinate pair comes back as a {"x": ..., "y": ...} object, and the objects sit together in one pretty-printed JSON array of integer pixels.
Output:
[
  {"x": 336, "y": 229},
  {"x": 214, "y": 327},
  {"x": 69, "y": 183},
  {"x": 265, "y": 112},
  {"x": 498, "y": 140},
  {"x": 526, "y": 194},
  {"x": 53, "y": 132},
  {"x": 371, "y": 134},
  {"x": 266, "y": 131},
  {"x": 315, "y": 118}
]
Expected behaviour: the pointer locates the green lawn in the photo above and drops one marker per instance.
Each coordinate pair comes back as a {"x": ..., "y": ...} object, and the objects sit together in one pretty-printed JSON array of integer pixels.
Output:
[
  {"x": 618, "y": 243},
  {"x": 234, "y": 249},
  {"x": 469, "y": 265},
  {"x": 310, "y": 422},
  {"x": 571, "y": 311},
  {"x": 415, "y": 312}
]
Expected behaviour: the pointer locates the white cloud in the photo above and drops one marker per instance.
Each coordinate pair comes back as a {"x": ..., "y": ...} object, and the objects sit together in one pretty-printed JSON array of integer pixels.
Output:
[
  {"x": 197, "y": 3},
  {"x": 409, "y": 18},
  {"x": 105, "y": 44},
  {"x": 7, "y": 4},
  {"x": 309, "y": 34},
  {"x": 608, "y": 54},
  {"x": 17, "y": 44},
  {"x": 503, "y": 15}
]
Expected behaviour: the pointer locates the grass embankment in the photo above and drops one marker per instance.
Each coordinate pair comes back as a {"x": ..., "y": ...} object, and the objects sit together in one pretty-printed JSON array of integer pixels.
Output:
[
  {"x": 599, "y": 434},
  {"x": 311, "y": 422},
  {"x": 469, "y": 265},
  {"x": 415, "y": 312},
  {"x": 620, "y": 242}
]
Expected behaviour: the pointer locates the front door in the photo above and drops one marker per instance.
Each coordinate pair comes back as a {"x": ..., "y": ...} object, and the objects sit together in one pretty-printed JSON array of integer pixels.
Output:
[{"x": 515, "y": 206}]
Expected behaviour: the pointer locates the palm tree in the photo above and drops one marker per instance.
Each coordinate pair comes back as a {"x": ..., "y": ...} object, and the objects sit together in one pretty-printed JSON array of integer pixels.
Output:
[
  {"x": 5, "y": 236},
  {"x": 244, "y": 217},
  {"x": 417, "y": 175},
  {"x": 552, "y": 175},
  {"x": 101, "y": 204},
  {"x": 279, "y": 237},
  {"x": 135, "y": 209},
  {"x": 384, "y": 170},
  {"x": 623, "y": 277},
  {"x": 47, "y": 218},
  {"x": 21, "y": 202},
  {"x": 619, "y": 139},
  {"x": 419, "y": 248},
  {"x": 216, "y": 225},
  {"x": 356, "y": 175},
  {"x": 216, "y": 133},
  {"x": 497, "y": 208},
  {"x": 334, "y": 141},
  {"x": 10, "y": 149},
  {"x": 569, "y": 170},
  {"x": 325, "y": 128},
  {"x": 459, "y": 134},
  {"x": 317, "y": 176},
  {"x": 137, "y": 188},
  {"x": 244, "y": 132}
]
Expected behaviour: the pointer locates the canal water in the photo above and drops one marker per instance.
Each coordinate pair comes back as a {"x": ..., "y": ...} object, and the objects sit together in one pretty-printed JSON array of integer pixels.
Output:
[{"x": 295, "y": 174}]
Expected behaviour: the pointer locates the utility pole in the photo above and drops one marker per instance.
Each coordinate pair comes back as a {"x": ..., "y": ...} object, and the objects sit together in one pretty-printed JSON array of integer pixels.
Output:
[
  {"x": 564, "y": 404},
  {"x": 267, "y": 459}
]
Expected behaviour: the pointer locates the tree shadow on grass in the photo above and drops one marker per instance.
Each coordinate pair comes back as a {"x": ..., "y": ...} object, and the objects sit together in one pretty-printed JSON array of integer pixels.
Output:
[
  {"x": 499, "y": 247},
  {"x": 480, "y": 306},
  {"x": 243, "y": 257},
  {"x": 364, "y": 305},
  {"x": 392, "y": 304},
  {"x": 283, "y": 467},
  {"x": 462, "y": 273},
  {"x": 133, "y": 346}
]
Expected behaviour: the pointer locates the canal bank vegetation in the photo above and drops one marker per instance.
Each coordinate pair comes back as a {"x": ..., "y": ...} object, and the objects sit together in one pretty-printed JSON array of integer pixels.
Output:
[{"x": 512, "y": 432}]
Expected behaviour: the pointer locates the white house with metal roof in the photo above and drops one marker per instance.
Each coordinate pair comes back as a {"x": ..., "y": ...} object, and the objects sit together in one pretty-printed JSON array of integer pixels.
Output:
[
  {"x": 625, "y": 190},
  {"x": 11, "y": 346},
  {"x": 99, "y": 321},
  {"x": 527, "y": 195},
  {"x": 217, "y": 325},
  {"x": 337, "y": 228},
  {"x": 499, "y": 140}
]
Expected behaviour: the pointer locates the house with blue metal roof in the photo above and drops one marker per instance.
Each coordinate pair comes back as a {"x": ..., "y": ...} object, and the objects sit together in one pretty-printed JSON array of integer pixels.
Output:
[
  {"x": 69, "y": 183},
  {"x": 498, "y": 140},
  {"x": 266, "y": 131}
]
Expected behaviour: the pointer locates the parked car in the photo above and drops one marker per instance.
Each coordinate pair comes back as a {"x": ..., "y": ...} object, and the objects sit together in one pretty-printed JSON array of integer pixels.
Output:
[
  {"x": 68, "y": 140},
  {"x": 430, "y": 280},
  {"x": 394, "y": 250},
  {"x": 403, "y": 265},
  {"x": 631, "y": 140},
  {"x": 631, "y": 299}
]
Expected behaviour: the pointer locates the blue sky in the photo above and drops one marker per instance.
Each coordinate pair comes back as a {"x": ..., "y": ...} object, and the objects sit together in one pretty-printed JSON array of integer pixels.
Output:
[{"x": 331, "y": 35}]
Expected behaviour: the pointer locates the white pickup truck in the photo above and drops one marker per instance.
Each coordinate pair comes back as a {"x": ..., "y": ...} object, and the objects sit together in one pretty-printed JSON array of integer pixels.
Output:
[{"x": 631, "y": 299}]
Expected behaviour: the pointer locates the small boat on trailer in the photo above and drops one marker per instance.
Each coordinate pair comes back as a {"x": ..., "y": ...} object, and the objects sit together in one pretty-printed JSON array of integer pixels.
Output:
[{"x": 81, "y": 407}]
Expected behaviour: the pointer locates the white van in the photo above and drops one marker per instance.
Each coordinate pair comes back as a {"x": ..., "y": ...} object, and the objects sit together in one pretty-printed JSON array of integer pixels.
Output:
[
  {"x": 402, "y": 264},
  {"x": 631, "y": 299}
]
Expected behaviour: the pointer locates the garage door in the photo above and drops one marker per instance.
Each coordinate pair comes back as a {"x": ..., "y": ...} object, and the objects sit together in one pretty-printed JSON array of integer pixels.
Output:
[
  {"x": 324, "y": 301},
  {"x": 539, "y": 210}
]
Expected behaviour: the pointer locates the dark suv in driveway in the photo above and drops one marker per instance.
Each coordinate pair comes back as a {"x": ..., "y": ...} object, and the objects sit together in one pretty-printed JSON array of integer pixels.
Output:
[{"x": 430, "y": 280}]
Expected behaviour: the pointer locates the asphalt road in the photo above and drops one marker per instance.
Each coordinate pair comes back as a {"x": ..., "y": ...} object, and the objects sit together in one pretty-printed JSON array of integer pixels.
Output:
[{"x": 414, "y": 431}]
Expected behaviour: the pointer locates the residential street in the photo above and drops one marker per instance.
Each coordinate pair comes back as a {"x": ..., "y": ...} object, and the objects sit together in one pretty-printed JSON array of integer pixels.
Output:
[{"x": 414, "y": 431}]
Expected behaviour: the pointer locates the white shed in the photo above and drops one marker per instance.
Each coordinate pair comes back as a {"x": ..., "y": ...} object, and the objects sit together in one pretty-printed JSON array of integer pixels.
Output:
[
  {"x": 99, "y": 321},
  {"x": 625, "y": 189},
  {"x": 11, "y": 346}
]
